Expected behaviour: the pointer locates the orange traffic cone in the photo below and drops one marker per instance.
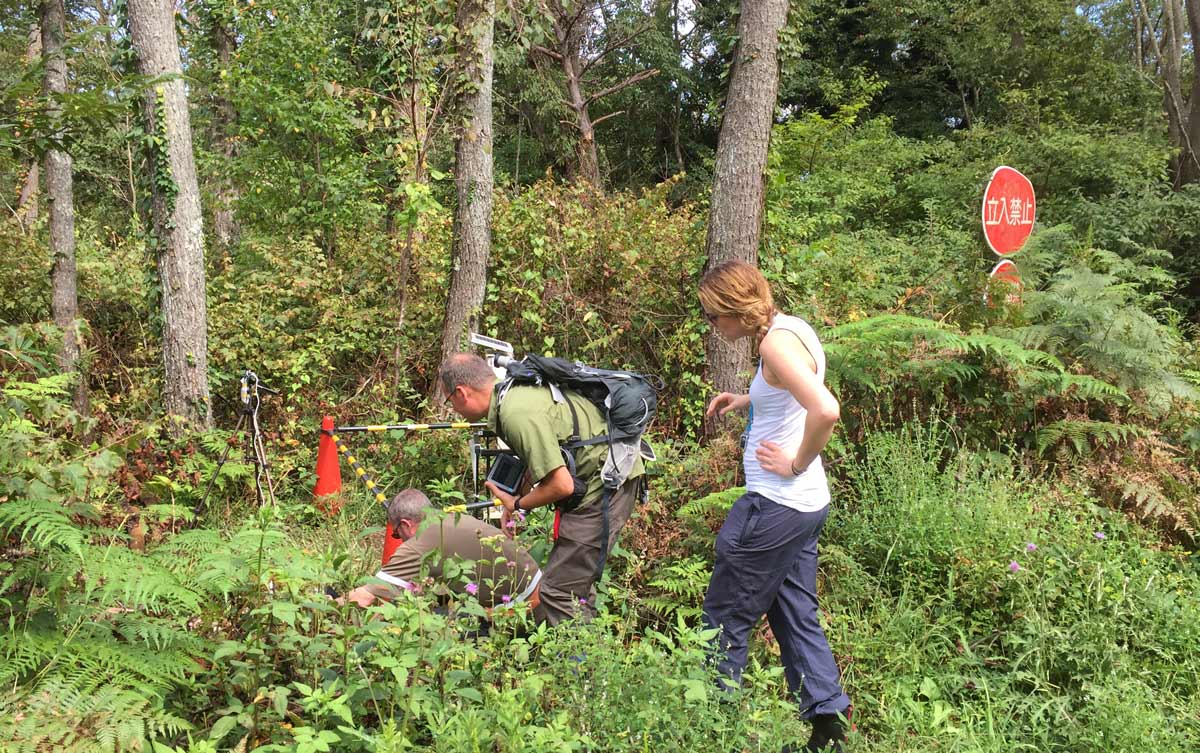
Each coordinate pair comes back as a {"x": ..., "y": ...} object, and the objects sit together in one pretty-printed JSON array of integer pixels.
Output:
[{"x": 329, "y": 473}]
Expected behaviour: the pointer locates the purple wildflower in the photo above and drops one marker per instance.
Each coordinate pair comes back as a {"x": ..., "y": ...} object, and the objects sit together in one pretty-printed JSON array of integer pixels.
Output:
[
  {"x": 583, "y": 602},
  {"x": 1014, "y": 567},
  {"x": 1031, "y": 547},
  {"x": 1099, "y": 535},
  {"x": 472, "y": 588},
  {"x": 506, "y": 598}
]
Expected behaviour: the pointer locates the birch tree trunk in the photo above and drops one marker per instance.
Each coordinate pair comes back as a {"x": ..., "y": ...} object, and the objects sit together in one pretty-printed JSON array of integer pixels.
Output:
[
  {"x": 178, "y": 228},
  {"x": 739, "y": 175},
  {"x": 27, "y": 201},
  {"x": 225, "y": 228},
  {"x": 472, "y": 176},
  {"x": 57, "y": 168}
]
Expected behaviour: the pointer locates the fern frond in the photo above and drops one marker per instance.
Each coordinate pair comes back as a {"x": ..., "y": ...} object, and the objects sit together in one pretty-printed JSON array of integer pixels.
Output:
[
  {"x": 167, "y": 513},
  {"x": 91, "y": 658},
  {"x": 42, "y": 524},
  {"x": 1151, "y": 503},
  {"x": 60, "y": 716},
  {"x": 155, "y": 634},
  {"x": 681, "y": 586},
  {"x": 1011, "y": 353},
  {"x": 1087, "y": 387},
  {"x": 53, "y": 386},
  {"x": 717, "y": 503},
  {"x": 121, "y": 577},
  {"x": 1086, "y": 436}
]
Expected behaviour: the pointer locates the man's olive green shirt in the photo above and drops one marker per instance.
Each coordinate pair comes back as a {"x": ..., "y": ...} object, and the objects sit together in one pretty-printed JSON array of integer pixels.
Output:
[{"x": 533, "y": 425}]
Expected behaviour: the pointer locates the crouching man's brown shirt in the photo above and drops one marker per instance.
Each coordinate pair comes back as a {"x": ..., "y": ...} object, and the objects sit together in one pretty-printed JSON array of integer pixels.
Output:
[{"x": 465, "y": 556}]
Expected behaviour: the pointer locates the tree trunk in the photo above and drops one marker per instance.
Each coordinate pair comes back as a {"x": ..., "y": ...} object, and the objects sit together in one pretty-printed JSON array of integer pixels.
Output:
[
  {"x": 472, "y": 177},
  {"x": 739, "y": 174},
  {"x": 413, "y": 110},
  {"x": 64, "y": 300},
  {"x": 677, "y": 100},
  {"x": 1183, "y": 117},
  {"x": 571, "y": 23},
  {"x": 587, "y": 161},
  {"x": 178, "y": 228},
  {"x": 569, "y": 31},
  {"x": 1139, "y": 55},
  {"x": 1170, "y": 62},
  {"x": 225, "y": 228},
  {"x": 27, "y": 202},
  {"x": 1189, "y": 168}
]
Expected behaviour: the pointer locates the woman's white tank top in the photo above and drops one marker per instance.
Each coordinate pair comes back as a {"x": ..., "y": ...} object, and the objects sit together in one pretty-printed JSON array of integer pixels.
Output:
[{"x": 778, "y": 417}]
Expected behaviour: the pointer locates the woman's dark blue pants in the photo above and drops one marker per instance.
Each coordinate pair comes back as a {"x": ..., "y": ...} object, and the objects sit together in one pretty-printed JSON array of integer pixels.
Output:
[{"x": 767, "y": 564}]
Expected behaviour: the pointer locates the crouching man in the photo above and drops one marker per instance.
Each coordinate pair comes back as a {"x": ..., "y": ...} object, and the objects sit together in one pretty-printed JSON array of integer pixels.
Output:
[{"x": 489, "y": 566}]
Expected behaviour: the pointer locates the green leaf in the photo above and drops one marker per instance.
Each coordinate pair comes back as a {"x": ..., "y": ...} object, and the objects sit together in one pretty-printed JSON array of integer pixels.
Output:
[{"x": 223, "y": 727}]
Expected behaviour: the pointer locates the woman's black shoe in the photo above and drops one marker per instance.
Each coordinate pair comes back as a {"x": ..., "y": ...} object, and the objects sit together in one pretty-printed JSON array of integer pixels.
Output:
[{"x": 828, "y": 733}]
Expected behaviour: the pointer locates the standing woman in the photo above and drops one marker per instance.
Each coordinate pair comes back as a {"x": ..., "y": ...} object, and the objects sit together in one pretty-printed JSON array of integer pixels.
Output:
[{"x": 767, "y": 549}]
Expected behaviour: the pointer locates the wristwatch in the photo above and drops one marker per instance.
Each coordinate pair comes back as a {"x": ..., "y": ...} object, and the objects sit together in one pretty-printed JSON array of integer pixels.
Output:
[{"x": 517, "y": 503}]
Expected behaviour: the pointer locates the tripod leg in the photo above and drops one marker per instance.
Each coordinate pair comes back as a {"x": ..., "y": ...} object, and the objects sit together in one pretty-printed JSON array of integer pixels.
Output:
[
  {"x": 224, "y": 456},
  {"x": 260, "y": 462}
]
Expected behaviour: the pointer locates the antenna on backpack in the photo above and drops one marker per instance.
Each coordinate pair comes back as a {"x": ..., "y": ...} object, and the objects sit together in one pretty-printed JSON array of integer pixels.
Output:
[
  {"x": 501, "y": 352},
  {"x": 492, "y": 344}
]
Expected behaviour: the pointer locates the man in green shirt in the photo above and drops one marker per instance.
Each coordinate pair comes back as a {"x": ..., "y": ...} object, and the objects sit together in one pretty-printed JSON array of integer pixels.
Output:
[
  {"x": 533, "y": 421},
  {"x": 486, "y": 564}
]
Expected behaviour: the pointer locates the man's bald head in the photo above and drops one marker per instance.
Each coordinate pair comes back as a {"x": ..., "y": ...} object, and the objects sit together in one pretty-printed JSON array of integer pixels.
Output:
[
  {"x": 466, "y": 369},
  {"x": 467, "y": 382}
]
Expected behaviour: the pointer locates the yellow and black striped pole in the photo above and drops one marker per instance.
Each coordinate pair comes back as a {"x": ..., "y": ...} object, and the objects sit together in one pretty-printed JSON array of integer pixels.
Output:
[
  {"x": 381, "y": 498},
  {"x": 479, "y": 504},
  {"x": 410, "y": 427},
  {"x": 358, "y": 469}
]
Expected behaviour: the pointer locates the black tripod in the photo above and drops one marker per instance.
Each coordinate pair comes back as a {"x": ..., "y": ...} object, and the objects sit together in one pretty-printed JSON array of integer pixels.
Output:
[{"x": 256, "y": 453}]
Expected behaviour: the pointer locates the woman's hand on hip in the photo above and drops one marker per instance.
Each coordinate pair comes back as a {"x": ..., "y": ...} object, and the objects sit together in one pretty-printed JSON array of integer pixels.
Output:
[{"x": 775, "y": 459}]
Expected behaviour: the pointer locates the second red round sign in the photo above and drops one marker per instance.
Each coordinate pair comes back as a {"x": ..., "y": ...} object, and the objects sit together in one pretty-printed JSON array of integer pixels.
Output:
[{"x": 1009, "y": 209}]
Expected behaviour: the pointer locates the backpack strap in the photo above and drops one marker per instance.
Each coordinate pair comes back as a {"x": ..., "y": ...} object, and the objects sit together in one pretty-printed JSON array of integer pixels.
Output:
[
  {"x": 576, "y": 441},
  {"x": 499, "y": 390},
  {"x": 571, "y": 443},
  {"x": 574, "y": 438},
  {"x": 604, "y": 532},
  {"x": 602, "y": 439},
  {"x": 641, "y": 495}
]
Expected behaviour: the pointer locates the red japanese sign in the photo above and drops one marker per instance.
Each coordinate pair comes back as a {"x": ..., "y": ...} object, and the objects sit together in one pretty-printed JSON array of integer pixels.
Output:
[
  {"x": 1009, "y": 208},
  {"x": 1006, "y": 272}
]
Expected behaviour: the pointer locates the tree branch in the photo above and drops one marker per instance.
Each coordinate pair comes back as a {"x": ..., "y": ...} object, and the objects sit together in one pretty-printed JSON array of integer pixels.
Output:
[
  {"x": 431, "y": 123},
  {"x": 614, "y": 46},
  {"x": 640, "y": 76},
  {"x": 553, "y": 55},
  {"x": 603, "y": 118},
  {"x": 584, "y": 6}
]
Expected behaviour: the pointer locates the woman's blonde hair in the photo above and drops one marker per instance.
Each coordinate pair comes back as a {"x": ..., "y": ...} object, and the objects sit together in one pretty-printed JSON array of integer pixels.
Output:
[{"x": 738, "y": 289}]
